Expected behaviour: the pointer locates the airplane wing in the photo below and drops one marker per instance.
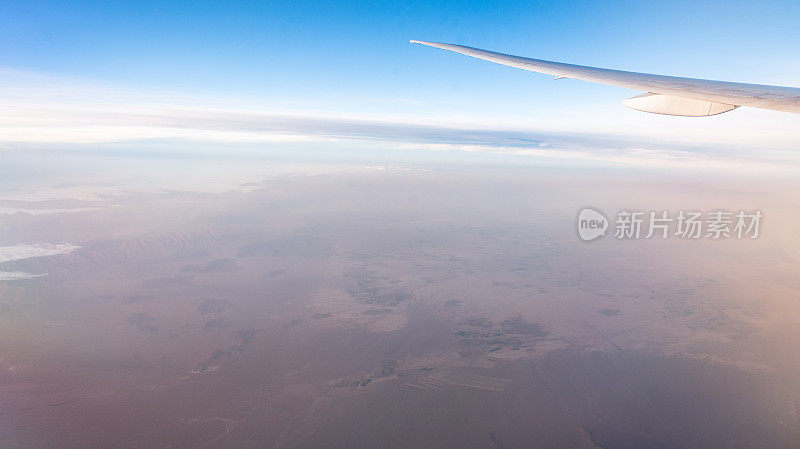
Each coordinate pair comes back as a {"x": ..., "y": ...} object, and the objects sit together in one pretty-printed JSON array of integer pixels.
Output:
[{"x": 670, "y": 95}]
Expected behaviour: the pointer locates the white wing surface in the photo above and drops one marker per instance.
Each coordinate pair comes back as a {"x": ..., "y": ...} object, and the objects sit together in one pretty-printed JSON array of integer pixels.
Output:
[{"x": 669, "y": 95}]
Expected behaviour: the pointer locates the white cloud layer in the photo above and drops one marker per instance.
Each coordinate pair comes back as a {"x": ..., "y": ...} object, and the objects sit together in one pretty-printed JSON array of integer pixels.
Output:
[
  {"x": 38, "y": 110},
  {"x": 19, "y": 252}
]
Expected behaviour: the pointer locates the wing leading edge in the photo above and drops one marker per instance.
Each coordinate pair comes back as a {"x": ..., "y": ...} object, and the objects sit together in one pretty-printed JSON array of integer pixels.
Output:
[{"x": 669, "y": 95}]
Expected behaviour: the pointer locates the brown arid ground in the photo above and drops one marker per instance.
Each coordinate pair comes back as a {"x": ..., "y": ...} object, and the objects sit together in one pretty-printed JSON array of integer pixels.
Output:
[{"x": 398, "y": 309}]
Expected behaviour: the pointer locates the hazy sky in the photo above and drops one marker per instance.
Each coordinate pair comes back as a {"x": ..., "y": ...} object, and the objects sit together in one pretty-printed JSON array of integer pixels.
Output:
[{"x": 89, "y": 72}]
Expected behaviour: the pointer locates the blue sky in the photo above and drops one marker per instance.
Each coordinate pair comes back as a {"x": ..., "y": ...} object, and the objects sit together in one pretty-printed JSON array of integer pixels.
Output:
[
  {"x": 359, "y": 49},
  {"x": 353, "y": 58}
]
